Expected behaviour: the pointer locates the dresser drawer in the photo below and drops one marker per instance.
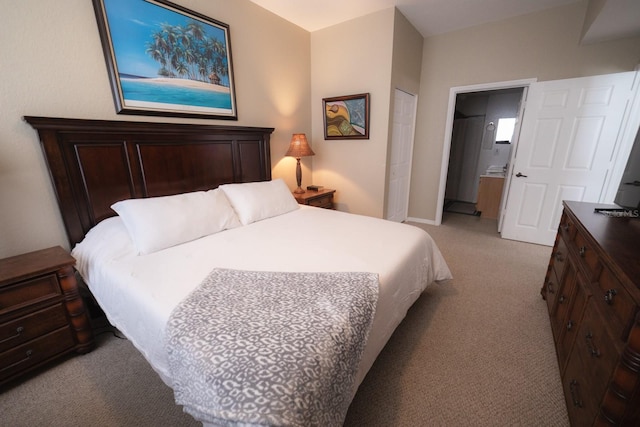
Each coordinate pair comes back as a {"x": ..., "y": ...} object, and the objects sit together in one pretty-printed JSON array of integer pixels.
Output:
[
  {"x": 616, "y": 303},
  {"x": 552, "y": 290},
  {"x": 573, "y": 306},
  {"x": 567, "y": 227},
  {"x": 31, "y": 326},
  {"x": 29, "y": 354},
  {"x": 560, "y": 255},
  {"x": 594, "y": 357},
  {"x": 586, "y": 253},
  {"x": 28, "y": 292}
]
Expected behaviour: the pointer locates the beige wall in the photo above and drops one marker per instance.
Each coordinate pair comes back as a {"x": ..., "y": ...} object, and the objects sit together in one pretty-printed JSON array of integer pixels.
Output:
[
  {"x": 282, "y": 73},
  {"x": 405, "y": 74},
  {"x": 51, "y": 64},
  {"x": 542, "y": 45},
  {"x": 350, "y": 58}
]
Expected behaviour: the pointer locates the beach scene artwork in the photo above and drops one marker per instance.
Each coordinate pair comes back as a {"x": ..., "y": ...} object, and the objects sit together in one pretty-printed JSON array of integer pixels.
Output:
[{"x": 169, "y": 60}]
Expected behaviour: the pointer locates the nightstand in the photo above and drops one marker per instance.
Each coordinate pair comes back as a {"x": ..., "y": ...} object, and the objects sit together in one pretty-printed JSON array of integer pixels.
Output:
[
  {"x": 320, "y": 199},
  {"x": 42, "y": 316}
]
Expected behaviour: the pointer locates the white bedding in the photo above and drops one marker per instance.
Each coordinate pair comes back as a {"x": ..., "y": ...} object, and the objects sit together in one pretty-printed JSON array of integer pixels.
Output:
[{"x": 138, "y": 292}]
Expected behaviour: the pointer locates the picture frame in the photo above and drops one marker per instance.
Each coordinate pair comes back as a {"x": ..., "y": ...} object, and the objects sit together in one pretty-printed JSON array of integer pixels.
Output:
[
  {"x": 166, "y": 60},
  {"x": 346, "y": 117}
]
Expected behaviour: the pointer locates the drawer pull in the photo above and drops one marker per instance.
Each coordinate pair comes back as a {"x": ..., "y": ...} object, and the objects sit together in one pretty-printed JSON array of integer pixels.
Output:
[
  {"x": 550, "y": 287},
  {"x": 559, "y": 257},
  {"x": 608, "y": 296},
  {"x": 575, "y": 397},
  {"x": 569, "y": 325},
  {"x": 27, "y": 353},
  {"x": 19, "y": 331},
  {"x": 561, "y": 299},
  {"x": 582, "y": 250},
  {"x": 593, "y": 350}
]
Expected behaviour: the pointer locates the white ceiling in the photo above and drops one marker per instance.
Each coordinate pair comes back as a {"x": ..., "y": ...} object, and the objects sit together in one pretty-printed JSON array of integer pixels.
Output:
[{"x": 431, "y": 17}]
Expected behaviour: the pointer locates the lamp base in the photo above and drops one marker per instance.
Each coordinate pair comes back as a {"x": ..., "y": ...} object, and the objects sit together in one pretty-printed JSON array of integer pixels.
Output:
[{"x": 299, "y": 190}]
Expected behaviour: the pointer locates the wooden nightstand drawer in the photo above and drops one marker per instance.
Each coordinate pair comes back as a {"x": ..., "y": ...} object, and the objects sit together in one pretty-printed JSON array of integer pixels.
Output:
[
  {"x": 31, "y": 326},
  {"x": 320, "y": 199},
  {"x": 324, "y": 202},
  {"x": 28, "y": 292},
  {"x": 33, "y": 352}
]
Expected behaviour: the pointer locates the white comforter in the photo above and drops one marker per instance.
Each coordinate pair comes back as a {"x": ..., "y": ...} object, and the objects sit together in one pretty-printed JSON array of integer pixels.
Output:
[{"x": 138, "y": 292}]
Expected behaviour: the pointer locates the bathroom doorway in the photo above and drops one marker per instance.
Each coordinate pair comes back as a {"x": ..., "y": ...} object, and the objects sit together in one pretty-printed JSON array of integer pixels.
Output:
[{"x": 484, "y": 123}]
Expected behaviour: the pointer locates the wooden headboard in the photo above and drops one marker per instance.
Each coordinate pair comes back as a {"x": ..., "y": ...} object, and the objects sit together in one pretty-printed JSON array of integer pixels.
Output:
[{"x": 95, "y": 163}]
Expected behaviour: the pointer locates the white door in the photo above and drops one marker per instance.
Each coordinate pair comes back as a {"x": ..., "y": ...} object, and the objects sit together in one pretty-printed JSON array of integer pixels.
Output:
[
  {"x": 514, "y": 143},
  {"x": 404, "y": 118},
  {"x": 569, "y": 133}
]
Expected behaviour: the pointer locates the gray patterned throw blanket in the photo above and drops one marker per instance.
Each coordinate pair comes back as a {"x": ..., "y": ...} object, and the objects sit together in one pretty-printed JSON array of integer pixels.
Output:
[{"x": 270, "y": 348}]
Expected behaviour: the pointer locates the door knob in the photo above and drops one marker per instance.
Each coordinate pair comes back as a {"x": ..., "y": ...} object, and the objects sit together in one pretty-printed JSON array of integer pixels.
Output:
[{"x": 519, "y": 175}]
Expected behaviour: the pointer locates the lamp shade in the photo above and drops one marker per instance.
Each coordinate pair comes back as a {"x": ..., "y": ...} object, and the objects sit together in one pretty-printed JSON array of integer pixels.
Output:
[{"x": 299, "y": 146}]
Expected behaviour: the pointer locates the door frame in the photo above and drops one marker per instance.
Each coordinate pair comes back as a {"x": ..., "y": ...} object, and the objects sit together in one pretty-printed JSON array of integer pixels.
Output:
[{"x": 453, "y": 94}]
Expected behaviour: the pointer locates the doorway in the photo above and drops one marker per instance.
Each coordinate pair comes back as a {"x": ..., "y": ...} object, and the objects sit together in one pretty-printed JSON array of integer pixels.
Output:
[
  {"x": 481, "y": 144},
  {"x": 574, "y": 151}
]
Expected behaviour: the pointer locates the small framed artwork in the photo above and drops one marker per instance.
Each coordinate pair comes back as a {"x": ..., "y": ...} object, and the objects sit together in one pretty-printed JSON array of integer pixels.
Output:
[
  {"x": 164, "y": 59},
  {"x": 346, "y": 117}
]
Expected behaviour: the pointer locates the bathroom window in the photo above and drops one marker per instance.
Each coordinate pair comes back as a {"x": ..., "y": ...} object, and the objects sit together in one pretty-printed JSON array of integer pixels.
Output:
[{"x": 504, "y": 131}]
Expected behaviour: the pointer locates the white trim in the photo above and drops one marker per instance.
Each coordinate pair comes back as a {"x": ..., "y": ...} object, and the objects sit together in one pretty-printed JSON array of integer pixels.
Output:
[
  {"x": 421, "y": 221},
  {"x": 453, "y": 93}
]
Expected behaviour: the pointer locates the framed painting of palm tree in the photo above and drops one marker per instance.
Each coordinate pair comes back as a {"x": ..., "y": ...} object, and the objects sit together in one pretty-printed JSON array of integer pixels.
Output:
[{"x": 164, "y": 59}]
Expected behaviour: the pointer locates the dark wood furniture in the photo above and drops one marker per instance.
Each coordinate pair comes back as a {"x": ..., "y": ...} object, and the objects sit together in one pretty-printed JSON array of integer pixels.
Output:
[
  {"x": 592, "y": 289},
  {"x": 95, "y": 163},
  {"x": 42, "y": 316},
  {"x": 321, "y": 199}
]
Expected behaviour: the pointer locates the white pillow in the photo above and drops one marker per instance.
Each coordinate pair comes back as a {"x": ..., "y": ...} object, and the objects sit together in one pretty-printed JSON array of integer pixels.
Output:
[
  {"x": 157, "y": 223},
  {"x": 255, "y": 201}
]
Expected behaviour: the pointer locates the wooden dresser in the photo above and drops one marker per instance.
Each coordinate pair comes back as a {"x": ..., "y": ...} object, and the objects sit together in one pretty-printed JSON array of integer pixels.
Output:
[
  {"x": 592, "y": 289},
  {"x": 42, "y": 315}
]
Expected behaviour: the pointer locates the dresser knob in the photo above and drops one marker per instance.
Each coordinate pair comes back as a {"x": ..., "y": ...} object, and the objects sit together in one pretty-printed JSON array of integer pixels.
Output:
[
  {"x": 19, "y": 331},
  {"x": 569, "y": 325},
  {"x": 559, "y": 257},
  {"x": 550, "y": 287},
  {"x": 582, "y": 250},
  {"x": 608, "y": 296},
  {"x": 561, "y": 299}
]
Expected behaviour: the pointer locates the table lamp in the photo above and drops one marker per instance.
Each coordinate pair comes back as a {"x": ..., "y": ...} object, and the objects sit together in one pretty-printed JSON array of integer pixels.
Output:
[{"x": 299, "y": 147}]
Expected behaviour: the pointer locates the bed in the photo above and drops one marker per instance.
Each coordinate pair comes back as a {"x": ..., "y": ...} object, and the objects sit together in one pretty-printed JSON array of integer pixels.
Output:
[{"x": 143, "y": 279}]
